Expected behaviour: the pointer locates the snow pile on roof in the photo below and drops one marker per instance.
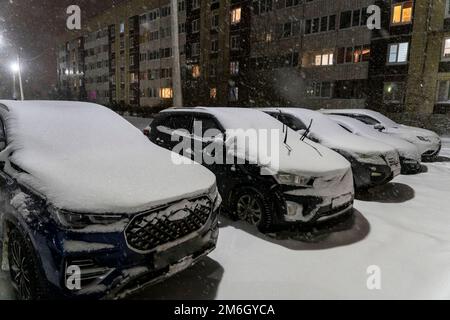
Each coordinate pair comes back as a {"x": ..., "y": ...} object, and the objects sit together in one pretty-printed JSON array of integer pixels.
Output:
[
  {"x": 306, "y": 158},
  {"x": 404, "y": 148},
  {"x": 334, "y": 136},
  {"x": 374, "y": 114},
  {"x": 85, "y": 158}
]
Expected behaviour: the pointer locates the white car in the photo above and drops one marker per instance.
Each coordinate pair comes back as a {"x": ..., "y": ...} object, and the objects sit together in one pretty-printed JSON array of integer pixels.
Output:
[
  {"x": 428, "y": 142},
  {"x": 373, "y": 163},
  {"x": 409, "y": 154}
]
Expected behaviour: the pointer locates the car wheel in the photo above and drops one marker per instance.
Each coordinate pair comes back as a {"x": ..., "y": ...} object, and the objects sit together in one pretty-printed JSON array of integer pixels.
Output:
[
  {"x": 25, "y": 272},
  {"x": 252, "y": 207}
]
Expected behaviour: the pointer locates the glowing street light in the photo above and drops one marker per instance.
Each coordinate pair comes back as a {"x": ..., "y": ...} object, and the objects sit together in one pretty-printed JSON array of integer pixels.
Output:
[{"x": 15, "y": 68}]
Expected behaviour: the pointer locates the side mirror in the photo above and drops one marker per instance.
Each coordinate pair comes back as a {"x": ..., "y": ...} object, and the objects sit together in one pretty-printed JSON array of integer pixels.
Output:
[{"x": 379, "y": 127}]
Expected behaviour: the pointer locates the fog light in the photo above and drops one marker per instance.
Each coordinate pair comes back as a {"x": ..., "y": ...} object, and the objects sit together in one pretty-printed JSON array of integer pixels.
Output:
[
  {"x": 293, "y": 209},
  {"x": 376, "y": 174}
]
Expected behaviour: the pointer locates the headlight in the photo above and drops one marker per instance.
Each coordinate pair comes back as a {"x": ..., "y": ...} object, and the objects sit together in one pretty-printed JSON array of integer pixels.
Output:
[
  {"x": 81, "y": 220},
  {"x": 424, "y": 139},
  {"x": 370, "y": 159},
  {"x": 212, "y": 192},
  {"x": 294, "y": 180}
]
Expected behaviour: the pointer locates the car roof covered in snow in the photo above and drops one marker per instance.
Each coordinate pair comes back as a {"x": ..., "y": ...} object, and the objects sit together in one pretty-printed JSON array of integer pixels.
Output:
[
  {"x": 85, "y": 158},
  {"x": 374, "y": 114},
  {"x": 406, "y": 149},
  {"x": 331, "y": 134},
  {"x": 306, "y": 157}
]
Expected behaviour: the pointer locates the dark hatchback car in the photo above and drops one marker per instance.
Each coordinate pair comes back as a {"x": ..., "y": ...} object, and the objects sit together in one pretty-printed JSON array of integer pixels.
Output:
[
  {"x": 89, "y": 208},
  {"x": 309, "y": 185}
]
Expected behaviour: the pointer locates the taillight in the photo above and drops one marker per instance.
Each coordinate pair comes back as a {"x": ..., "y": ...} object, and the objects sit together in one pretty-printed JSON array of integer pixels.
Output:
[{"x": 146, "y": 132}]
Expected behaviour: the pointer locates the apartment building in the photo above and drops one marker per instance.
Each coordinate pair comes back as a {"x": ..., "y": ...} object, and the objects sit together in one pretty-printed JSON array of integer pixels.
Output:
[
  {"x": 123, "y": 56},
  {"x": 71, "y": 67}
]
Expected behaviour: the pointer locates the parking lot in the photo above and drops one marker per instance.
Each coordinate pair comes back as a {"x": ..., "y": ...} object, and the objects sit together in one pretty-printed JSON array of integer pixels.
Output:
[{"x": 401, "y": 228}]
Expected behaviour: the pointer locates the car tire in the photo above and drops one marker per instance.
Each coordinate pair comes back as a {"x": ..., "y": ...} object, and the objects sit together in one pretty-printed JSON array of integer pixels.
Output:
[
  {"x": 251, "y": 206},
  {"x": 26, "y": 274}
]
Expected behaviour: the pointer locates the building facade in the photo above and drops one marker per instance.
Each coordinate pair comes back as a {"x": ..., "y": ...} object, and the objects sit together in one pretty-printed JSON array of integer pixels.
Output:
[{"x": 313, "y": 53}]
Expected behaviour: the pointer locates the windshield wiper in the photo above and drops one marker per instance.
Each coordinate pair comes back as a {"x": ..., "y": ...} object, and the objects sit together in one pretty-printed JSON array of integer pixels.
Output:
[
  {"x": 308, "y": 130},
  {"x": 285, "y": 131}
]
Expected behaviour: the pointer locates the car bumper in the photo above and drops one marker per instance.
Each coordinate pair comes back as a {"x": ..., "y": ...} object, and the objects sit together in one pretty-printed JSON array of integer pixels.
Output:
[
  {"x": 410, "y": 166},
  {"x": 371, "y": 175},
  {"x": 320, "y": 203},
  {"x": 108, "y": 268}
]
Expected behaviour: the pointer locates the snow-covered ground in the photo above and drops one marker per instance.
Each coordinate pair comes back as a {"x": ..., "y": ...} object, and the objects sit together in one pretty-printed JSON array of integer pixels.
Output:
[{"x": 403, "y": 228}]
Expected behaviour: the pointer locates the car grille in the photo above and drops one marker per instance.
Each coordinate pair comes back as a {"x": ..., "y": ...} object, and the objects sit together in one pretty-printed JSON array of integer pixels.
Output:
[{"x": 167, "y": 224}]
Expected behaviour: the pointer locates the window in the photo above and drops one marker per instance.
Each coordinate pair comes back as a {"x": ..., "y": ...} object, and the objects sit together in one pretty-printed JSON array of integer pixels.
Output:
[
  {"x": 213, "y": 93},
  {"x": 122, "y": 27},
  {"x": 287, "y": 29},
  {"x": 398, "y": 52},
  {"x": 262, "y": 6},
  {"x": 236, "y": 16},
  {"x": 393, "y": 92},
  {"x": 214, "y": 45},
  {"x": 235, "y": 42},
  {"x": 166, "y": 93},
  {"x": 195, "y": 49},
  {"x": 195, "y": 4},
  {"x": 195, "y": 71},
  {"x": 234, "y": 67},
  {"x": 443, "y": 94},
  {"x": 195, "y": 25},
  {"x": 446, "y": 49},
  {"x": 319, "y": 89},
  {"x": 402, "y": 13},
  {"x": 215, "y": 20},
  {"x": 324, "y": 59},
  {"x": 447, "y": 9},
  {"x": 234, "y": 94},
  {"x": 346, "y": 19}
]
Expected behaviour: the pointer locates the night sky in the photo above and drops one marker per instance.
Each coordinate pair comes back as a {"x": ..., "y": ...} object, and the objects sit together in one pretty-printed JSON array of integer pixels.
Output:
[{"x": 35, "y": 26}]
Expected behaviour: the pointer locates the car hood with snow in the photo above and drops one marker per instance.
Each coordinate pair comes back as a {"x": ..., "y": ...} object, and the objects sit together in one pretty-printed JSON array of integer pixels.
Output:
[
  {"x": 427, "y": 141},
  {"x": 406, "y": 149},
  {"x": 285, "y": 153},
  {"x": 83, "y": 157},
  {"x": 333, "y": 136}
]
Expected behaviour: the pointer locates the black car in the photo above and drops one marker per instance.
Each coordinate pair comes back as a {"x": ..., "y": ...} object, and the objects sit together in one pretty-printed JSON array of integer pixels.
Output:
[{"x": 309, "y": 183}]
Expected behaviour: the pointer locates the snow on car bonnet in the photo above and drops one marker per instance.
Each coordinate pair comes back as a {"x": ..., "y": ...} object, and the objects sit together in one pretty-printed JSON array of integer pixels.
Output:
[
  {"x": 303, "y": 158},
  {"x": 334, "y": 136},
  {"x": 85, "y": 158}
]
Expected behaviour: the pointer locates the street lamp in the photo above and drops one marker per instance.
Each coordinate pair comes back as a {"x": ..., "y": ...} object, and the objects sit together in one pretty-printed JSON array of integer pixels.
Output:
[{"x": 15, "y": 68}]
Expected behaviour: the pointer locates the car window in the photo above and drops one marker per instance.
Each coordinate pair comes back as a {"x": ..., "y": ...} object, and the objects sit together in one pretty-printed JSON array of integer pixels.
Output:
[
  {"x": 366, "y": 119},
  {"x": 180, "y": 122},
  {"x": 292, "y": 122},
  {"x": 208, "y": 126}
]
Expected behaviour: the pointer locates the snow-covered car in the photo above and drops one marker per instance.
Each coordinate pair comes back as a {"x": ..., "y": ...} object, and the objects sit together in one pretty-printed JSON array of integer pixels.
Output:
[
  {"x": 297, "y": 182},
  {"x": 428, "y": 142},
  {"x": 373, "y": 163},
  {"x": 409, "y": 154},
  {"x": 91, "y": 208}
]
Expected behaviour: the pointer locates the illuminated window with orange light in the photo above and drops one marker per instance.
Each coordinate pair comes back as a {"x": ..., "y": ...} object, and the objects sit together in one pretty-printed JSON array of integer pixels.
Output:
[
  {"x": 236, "y": 15},
  {"x": 402, "y": 13},
  {"x": 166, "y": 93},
  {"x": 196, "y": 71}
]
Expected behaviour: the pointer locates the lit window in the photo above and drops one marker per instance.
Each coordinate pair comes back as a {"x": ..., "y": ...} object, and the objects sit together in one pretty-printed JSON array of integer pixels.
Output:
[
  {"x": 446, "y": 51},
  {"x": 122, "y": 27},
  {"x": 234, "y": 67},
  {"x": 236, "y": 15},
  {"x": 196, "y": 71},
  {"x": 166, "y": 93},
  {"x": 402, "y": 13},
  {"x": 398, "y": 52},
  {"x": 213, "y": 93},
  {"x": 324, "y": 59}
]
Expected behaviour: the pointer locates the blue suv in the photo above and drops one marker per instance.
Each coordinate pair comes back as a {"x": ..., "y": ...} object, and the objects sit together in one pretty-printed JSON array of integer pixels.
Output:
[{"x": 90, "y": 208}]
